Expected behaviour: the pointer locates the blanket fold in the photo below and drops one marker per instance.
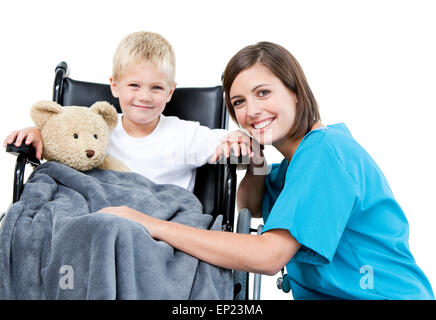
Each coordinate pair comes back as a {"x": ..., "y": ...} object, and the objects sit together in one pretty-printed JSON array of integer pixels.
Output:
[{"x": 54, "y": 245}]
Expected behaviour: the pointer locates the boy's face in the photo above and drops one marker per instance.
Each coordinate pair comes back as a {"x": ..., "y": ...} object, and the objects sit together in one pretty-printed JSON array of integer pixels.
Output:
[{"x": 143, "y": 91}]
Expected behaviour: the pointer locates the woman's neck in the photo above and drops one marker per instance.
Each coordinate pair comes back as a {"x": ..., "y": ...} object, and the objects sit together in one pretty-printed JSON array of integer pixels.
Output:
[{"x": 288, "y": 147}]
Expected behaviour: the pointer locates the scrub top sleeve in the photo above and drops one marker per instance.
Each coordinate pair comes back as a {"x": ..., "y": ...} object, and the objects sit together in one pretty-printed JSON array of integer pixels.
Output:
[
  {"x": 273, "y": 186},
  {"x": 315, "y": 203}
]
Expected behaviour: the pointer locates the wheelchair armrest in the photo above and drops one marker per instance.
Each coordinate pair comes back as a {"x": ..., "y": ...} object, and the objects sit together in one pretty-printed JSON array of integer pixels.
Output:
[
  {"x": 241, "y": 162},
  {"x": 232, "y": 164},
  {"x": 27, "y": 150},
  {"x": 25, "y": 154}
]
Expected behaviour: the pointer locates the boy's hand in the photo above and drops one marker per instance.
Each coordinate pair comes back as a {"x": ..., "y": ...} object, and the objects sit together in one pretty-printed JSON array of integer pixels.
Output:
[
  {"x": 30, "y": 135},
  {"x": 241, "y": 144}
]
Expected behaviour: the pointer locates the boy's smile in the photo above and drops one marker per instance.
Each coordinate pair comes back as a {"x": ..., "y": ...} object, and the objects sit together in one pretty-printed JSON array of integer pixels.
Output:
[
  {"x": 141, "y": 107},
  {"x": 143, "y": 91}
]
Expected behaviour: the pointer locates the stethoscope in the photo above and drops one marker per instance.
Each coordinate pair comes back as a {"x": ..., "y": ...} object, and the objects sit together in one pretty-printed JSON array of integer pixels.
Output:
[{"x": 283, "y": 282}]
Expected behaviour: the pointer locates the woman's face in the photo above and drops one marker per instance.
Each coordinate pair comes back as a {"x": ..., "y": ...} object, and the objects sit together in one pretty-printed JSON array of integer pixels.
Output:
[{"x": 263, "y": 105}]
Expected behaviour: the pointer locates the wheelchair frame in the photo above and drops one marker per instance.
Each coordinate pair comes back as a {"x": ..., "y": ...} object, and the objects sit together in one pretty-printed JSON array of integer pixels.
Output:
[{"x": 26, "y": 154}]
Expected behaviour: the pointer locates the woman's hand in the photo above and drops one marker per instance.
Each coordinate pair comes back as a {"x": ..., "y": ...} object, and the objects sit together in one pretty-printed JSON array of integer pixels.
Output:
[
  {"x": 30, "y": 135},
  {"x": 241, "y": 144},
  {"x": 122, "y": 211},
  {"x": 131, "y": 214}
]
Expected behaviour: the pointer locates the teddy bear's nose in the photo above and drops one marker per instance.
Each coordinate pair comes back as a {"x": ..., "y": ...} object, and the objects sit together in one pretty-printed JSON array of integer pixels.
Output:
[{"x": 90, "y": 153}]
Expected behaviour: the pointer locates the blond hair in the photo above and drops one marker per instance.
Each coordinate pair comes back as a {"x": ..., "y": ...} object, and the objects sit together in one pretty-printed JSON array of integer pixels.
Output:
[{"x": 144, "y": 46}]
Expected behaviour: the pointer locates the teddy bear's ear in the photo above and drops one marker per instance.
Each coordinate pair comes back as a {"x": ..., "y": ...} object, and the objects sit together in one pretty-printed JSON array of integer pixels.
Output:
[
  {"x": 44, "y": 110},
  {"x": 107, "y": 111}
]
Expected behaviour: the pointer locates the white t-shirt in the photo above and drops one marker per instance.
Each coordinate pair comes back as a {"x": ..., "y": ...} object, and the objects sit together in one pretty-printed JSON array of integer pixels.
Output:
[{"x": 170, "y": 154}]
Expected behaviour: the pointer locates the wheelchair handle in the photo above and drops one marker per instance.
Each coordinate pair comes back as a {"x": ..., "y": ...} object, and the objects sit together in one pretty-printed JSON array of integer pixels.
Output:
[
  {"x": 25, "y": 154},
  {"x": 60, "y": 73},
  {"x": 63, "y": 65},
  {"x": 26, "y": 150}
]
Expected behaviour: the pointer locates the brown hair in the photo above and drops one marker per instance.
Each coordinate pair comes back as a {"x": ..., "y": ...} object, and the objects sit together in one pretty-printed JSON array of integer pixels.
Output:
[{"x": 285, "y": 67}]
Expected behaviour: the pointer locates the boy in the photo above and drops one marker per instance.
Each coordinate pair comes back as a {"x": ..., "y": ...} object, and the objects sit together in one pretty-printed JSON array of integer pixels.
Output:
[{"x": 163, "y": 149}]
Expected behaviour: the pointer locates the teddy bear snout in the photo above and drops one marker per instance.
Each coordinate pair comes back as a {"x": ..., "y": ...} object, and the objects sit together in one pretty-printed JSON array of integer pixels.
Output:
[{"x": 90, "y": 153}]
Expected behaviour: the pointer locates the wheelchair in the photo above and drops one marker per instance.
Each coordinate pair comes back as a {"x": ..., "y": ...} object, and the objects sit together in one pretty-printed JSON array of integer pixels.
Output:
[{"x": 215, "y": 184}]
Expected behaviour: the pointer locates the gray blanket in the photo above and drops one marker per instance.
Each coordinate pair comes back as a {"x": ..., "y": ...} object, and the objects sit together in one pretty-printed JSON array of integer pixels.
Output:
[{"x": 54, "y": 245}]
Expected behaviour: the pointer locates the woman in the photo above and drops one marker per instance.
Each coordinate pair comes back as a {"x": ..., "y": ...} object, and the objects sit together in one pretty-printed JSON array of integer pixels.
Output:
[{"x": 330, "y": 216}]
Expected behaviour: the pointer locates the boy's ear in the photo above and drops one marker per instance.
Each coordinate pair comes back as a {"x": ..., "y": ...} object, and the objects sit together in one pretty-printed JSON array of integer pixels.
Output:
[
  {"x": 107, "y": 111},
  {"x": 44, "y": 110},
  {"x": 114, "y": 87},
  {"x": 170, "y": 94}
]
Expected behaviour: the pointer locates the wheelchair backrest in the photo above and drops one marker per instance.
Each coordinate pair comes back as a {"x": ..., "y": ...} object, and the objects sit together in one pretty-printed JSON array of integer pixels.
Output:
[{"x": 204, "y": 105}]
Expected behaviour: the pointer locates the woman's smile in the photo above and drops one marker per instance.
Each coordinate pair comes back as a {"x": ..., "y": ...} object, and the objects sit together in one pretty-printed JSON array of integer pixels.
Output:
[{"x": 262, "y": 125}]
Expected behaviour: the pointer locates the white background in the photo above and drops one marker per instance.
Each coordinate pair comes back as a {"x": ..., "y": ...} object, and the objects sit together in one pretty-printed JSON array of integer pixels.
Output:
[{"x": 371, "y": 64}]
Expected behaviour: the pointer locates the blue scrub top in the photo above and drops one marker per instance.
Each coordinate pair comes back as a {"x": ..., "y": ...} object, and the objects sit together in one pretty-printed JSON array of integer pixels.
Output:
[{"x": 337, "y": 204}]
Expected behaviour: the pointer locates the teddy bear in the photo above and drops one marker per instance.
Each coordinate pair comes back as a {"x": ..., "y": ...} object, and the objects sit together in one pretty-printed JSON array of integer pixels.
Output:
[{"x": 77, "y": 136}]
